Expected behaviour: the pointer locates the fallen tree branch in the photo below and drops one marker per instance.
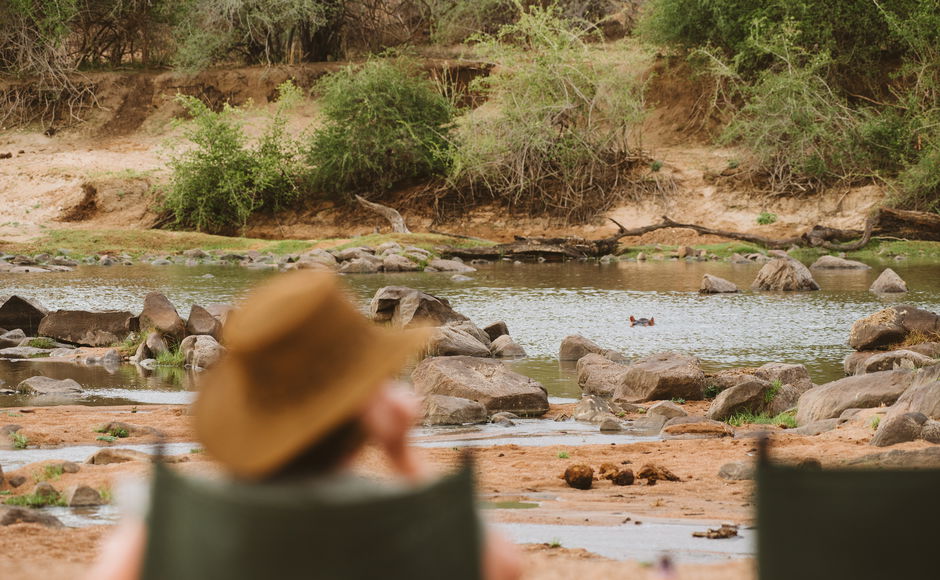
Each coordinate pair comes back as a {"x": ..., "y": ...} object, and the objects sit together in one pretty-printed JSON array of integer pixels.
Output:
[{"x": 394, "y": 218}]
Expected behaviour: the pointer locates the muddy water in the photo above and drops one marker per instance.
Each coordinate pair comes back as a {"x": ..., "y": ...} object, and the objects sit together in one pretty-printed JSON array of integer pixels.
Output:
[{"x": 541, "y": 303}]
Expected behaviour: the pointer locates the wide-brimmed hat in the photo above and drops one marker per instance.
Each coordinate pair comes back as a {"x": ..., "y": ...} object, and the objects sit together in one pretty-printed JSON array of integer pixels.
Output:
[{"x": 301, "y": 360}]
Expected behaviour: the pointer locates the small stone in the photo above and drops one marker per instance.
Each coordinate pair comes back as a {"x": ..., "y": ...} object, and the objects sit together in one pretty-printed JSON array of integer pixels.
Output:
[
  {"x": 16, "y": 515},
  {"x": 736, "y": 471},
  {"x": 610, "y": 424},
  {"x": 888, "y": 282},
  {"x": 83, "y": 496},
  {"x": 579, "y": 476},
  {"x": 654, "y": 472},
  {"x": 16, "y": 480},
  {"x": 666, "y": 409},
  {"x": 623, "y": 477},
  {"x": 45, "y": 490}
]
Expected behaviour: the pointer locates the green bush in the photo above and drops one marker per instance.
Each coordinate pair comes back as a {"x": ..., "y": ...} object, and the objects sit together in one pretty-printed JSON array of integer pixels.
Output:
[
  {"x": 766, "y": 218},
  {"x": 454, "y": 22},
  {"x": 221, "y": 181},
  {"x": 385, "y": 124},
  {"x": 555, "y": 136}
]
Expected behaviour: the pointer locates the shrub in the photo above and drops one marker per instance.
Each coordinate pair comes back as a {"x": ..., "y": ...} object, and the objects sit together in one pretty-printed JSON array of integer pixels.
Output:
[
  {"x": 556, "y": 133},
  {"x": 221, "y": 181},
  {"x": 385, "y": 124},
  {"x": 41, "y": 342},
  {"x": 170, "y": 358},
  {"x": 455, "y": 22},
  {"x": 766, "y": 218},
  {"x": 19, "y": 440}
]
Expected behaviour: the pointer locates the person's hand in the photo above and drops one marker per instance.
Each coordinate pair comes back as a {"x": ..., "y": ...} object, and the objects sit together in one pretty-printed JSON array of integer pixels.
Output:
[{"x": 387, "y": 419}]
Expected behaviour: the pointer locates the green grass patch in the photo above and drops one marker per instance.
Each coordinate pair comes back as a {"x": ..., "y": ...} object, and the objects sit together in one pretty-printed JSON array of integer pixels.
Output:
[
  {"x": 563, "y": 455},
  {"x": 35, "y": 501},
  {"x": 722, "y": 250},
  {"x": 771, "y": 393},
  {"x": 19, "y": 440},
  {"x": 875, "y": 421},
  {"x": 766, "y": 218},
  {"x": 711, "y": 391},
  {"x": 41, "y": 342},
  {"x": 48, "y": 472},
  {"x": 106, "y": 438},
  {"x": 786, "y": 420},
  {"x": 171, "y": 358},
  {"x": 118, "y": 432}
]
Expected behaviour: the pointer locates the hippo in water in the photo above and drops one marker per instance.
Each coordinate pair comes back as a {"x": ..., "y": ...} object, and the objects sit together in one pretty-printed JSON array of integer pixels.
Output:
[{"x": 642, "y": 321}]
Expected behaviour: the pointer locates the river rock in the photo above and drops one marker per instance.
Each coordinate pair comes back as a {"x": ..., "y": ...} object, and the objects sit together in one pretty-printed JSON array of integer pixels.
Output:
[
  {"x": 750, "y": 396},
  {"x": 667, "y": 409},
  {"x": 201, "y": 321},
  {"x": 593, "y": 409},
  {"x": 898, "y": 429},
  {"x": 398, "y": 263},
  {"x": 695, "y": 428},
  {"x": 931, "y": 431},
  {"x": 886, "y": 361},
  {"x": 579, "y": 476},
  {"x": 575, "y": 347},
  {"x": 623, "y": 477},
  {"x": 662, "y": 376},
  {"x": 155, "y": 344},
  {"x": 892, "y": 325},
  {"x": 486, "y": 381},
  {"x": 611, "y": 424},
  {"x": 405, "y": 307},
  {"x": 40, "y": 385},
  {"x": 450, "y": 266},
  {"x": 784, "y": 274},
  {"x": 201, "y": 351},
  {"x": 863, "y": 391},
  {"x": 361, "y": 266},
  {"x": 496, "y": 330},
  {"x": 356, "y": 253},
  {"x": 24, "y": 352},
  {"x": 318, "y": 256},
  {"x": 444, "y": 410},
  {"x": 923, "y": 396},
  {"x": 787, "y": 374},
  {"x": 83, "y": 496},
  {"x": 888, "y": 283},
  {"x": 17, "y": 312},
  {"x": 160, "y": 314},
  {"x": 506, "y": 347},
  {"x": 12, "y": 338},
  {"x": 736, "y": 471},
  {"x": 219, "y": 311},
  {"x": 10, "y": 515},
  {"x": 715, "y": 285},
  {"x": 816, "y": 427},
  {"x": 648, "y": 426},
  {"x": 853, "y": 362},
  {"x": 836, "y": 263},
  {"x": 107, "y": 456},
  {"x": 598, "y": 375},
  {"x": 456, "y": 340}
]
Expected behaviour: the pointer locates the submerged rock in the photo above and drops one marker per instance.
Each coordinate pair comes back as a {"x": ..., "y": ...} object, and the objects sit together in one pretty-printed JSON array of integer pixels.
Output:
[
  {"x": 784, "y": 274},
  {"x": 888, "y": 282},
  {"x": 506, "y": 347},
  {"x": 715, "y": 285},
  {"x": 45, "y": 386},
  {"x": 836, "y": 263},
  {"x": 575, "y": 347},
  {"x": 405, "y": 307},
  {"x": 892, "y": 325}
]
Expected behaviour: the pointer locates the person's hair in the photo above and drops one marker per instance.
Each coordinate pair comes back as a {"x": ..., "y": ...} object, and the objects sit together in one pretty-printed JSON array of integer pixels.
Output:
[{"x": 324, "y": 454}]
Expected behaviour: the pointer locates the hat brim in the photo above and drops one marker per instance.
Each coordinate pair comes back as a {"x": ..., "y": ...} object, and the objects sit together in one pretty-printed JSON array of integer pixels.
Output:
[{"x": 253, "y": 440}]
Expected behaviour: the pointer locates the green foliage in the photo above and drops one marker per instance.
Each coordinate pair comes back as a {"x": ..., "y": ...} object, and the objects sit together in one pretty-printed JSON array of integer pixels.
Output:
[
  {"x": 555, "y": 135},
  {"x": 385, "y": 124},
  {"x": 678, "y": 400},
  {"x": 221, "y": 181},
  {"x": 118, "y": 432},
  {"x": 51, "y": 471},
  {"x": 35, "y": 501},
  {"x": 106, "y": 438},
  {"x": 453, "y": 22},
  {"x": 875, "y": 421},
  {"x": 563, "y": 455},
  {"x": 771, "y": 393},
  {"x": 786, "y": 420},
  {"x": 711, "y": 390},
  {"x": 766, "y": 218},
  {"x": 19, "y": 440},
  {"x": 171, "y": 358},
  {"x": 41, "y": 342}
]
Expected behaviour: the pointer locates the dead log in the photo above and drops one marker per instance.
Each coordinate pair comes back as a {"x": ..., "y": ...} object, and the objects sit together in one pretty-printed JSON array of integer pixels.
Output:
[
  {"x": 911, "y": 225},
  {"x": 393, "y": 217}
]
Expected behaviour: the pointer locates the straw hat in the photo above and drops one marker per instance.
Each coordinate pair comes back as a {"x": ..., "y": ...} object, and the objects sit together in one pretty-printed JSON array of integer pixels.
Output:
[{"x": 300, "y": 361}]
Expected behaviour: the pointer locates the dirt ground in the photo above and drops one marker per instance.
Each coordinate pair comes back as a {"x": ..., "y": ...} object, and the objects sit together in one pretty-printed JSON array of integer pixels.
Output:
[{"x": 505, "y": 473}]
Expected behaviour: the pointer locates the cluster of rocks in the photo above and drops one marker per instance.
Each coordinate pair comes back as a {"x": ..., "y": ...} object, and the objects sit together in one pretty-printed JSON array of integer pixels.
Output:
[
  {"x": 37, "y": 332},
  {"x": 581, "y": 476},
  {"x": 40, "y": 263}
]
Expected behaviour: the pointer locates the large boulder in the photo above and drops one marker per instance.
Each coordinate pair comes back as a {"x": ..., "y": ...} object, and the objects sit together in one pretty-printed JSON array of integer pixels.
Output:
[
  {"x": 40, "y": 385},
  {"x": 405, "y": 307},
  {"x": 592, "y": 409},
  {"x": 856, "y": 392},
  {"x": 83, "y": 496},
  {"x": 575, "y": 346},
  {"x": 888, "y": 283},
  {"x": 398, "y": 263},
  {"x": 598, "y": 375},
  {"x": 893, "y": 359},
  {"x": 361, "y": 266},
  {"x": 12, "y": 338},
  {"x": 444, "y": 410},
  {"x": 899, "y": 429},
  {"x": 201, "y": 351},
  {"x": 923, "y": 396},
  {"x": 87, "y": 328},
  {"x": 751, "y": 396},
  {"x": 450, "y": 266},
  {"x": 891, "y": 326},
  {"x": 18, "y": 312},
  {"x": 10, "y": 515},
  {"x": 496, "y": 330},
  {"x": 201, "y": 321},
  {"x": 666, "y": 409},
  {"x": 835, "y": 263},
  {"x": 506, "y": 347},
  {"x": 160, "y": 314},
  {"x": 457, "y": 340},
  {"x": 695, "y": 428},
  {"x": 784, "y": 274},
  {"x": 664, "y": 375},
  {"x": 715, "y": 285},
  {"x": 786, "y": 373},
  {"x": 485, "y": 381}
]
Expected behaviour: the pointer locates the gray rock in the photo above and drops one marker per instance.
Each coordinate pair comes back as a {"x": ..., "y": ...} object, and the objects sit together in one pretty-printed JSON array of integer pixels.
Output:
[
  {"x": 12, "y": 338},
  {"x": 593, "y": 409},
  {"x": 201, "y": 351},
  {"x": 835, "y": 263},
  {"x": 816, "y": 427},
  {"x": 46, "y": 490},
  {"x": 575, "y": 347},
  {"x": 886, "y": 361},
  {"x": 23, "y": 352},
  {"x": 661, "y": 376},
  {"x": 107, "y": 456},
  {"x": 83, "y": 496},
  {"x": 859, "y": 392},
  {"x": 930, "y": 432},
  {"x": 112, "y": 358},
  {"x": 496, "y": 330},
  {"x": 398, "y": 263},
  {"x": 156, "y": 344},
  {"x": 201, "y": 321},
  {"x": 888, "y": 283},
  {"x": 405, "y": 307},
  {"x": 357, "y": 253},
  {"x": 784, "y": 274},
  {"x": 598, "y": 375},
  {"x": 451, "y": 266},
  {"x": 695, "y": 428},
  {"x": 504, "y": 419},
  {"x": 923, "y": 396},
  {"x": 16, "y": 515},
  {"x": 160, "y": 314},
  {"x": 647, "y": 426},
  {"x": 17, "y": 312},
  {"x": 45, "y": 386},
  {"x": 667, "y": 409},
  {"x": 506, "y": 347},
  {"x": 486, "y": 381},
  {"x": 611, "y": 424},
  {"x": 890, "y": 326},
  {"x": 360, "y": 266},
  {"x": 456, "y": 340},
  {"x": 898, "y": 429},
  {"x": 444, "y": 410},
  {"x": 854, "y": 361},
  {"x": 900, "y": 459},
  {"x": 786, "y": 373},
  {"x": 736, "y": 471},
  {"x": 751, "y": 396},
  {"x": 715, "y": 285}
]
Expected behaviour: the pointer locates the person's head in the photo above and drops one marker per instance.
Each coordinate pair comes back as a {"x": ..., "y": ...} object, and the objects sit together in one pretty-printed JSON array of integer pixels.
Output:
[{"x": 303, "y": 382}]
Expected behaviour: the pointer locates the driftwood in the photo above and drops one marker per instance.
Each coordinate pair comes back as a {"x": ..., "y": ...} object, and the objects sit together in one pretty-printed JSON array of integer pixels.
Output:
[
  {"x": 393, "y": 217},
  {"x": 900, "y": 223}
]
